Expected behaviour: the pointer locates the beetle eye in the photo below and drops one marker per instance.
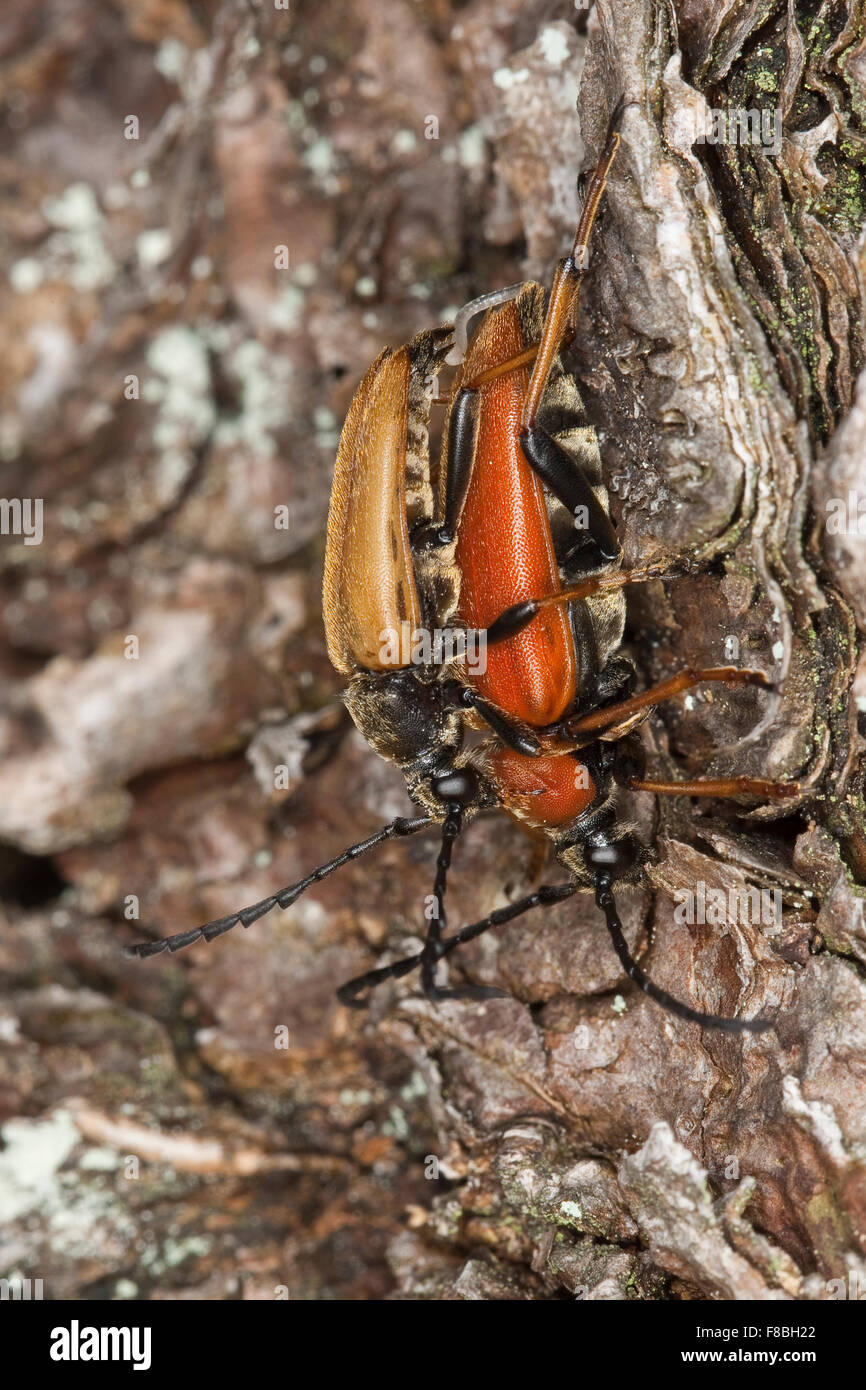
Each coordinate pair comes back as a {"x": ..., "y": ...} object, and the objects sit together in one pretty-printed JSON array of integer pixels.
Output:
[
  {"x": 617, "y": 856},
  {"x": 459, "y": 785}
]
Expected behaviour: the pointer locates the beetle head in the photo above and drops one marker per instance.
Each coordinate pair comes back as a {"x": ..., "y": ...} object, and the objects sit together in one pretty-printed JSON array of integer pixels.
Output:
[
  {"x": 411, "y": 722},
  {"x": 404, "y": 718}
]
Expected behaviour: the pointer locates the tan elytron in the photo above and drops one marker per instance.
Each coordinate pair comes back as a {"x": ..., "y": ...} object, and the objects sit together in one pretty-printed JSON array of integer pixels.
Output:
[{"x": 369, "y": 582}]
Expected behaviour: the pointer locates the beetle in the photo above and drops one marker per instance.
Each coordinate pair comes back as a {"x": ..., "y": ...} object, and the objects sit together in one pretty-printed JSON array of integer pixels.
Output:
[{"x": 510, "y": 538}]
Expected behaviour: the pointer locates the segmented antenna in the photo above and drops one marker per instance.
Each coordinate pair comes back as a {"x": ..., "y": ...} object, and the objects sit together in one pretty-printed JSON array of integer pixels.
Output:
[{"x": 605, "y": 899}]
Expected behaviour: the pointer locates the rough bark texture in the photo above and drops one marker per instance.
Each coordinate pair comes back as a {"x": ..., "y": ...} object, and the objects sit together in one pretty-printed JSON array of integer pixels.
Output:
[{"x": 166, "y": 388}]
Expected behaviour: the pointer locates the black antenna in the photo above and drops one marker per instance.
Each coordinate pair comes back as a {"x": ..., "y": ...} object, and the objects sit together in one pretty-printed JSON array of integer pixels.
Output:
[
  {"x": 435, "y": 947},
  {"x": 247, "y": 915},
  {"x": 605, "y": 899}
]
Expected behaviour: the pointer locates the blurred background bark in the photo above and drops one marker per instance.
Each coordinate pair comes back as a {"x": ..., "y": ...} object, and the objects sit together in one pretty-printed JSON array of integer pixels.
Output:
[{"x": 214, "y": 215}]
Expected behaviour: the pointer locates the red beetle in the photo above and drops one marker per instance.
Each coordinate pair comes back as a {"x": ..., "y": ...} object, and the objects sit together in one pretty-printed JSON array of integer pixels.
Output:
[{"x": 515, "y": 545}]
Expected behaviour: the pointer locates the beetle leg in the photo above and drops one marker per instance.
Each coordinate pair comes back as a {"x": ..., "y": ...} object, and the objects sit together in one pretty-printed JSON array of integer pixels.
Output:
[
  {"x": 547, "y": 458},
  {"x": 519, "y": 615},
  {"x": 284, "y": 899},
  {"x": 514, "y": 734},
  {"x": 686, "y": 679},
  {"x": 572, "y": 734},
  {"x": 557, "y": 471},
  {"x": 562, "y": 305},
  {"x": 462, "y": 441},
  {"x": 562, "y": 308},
  {"x": 510, "y": 364},
  {"x": 718, "y": 787}
]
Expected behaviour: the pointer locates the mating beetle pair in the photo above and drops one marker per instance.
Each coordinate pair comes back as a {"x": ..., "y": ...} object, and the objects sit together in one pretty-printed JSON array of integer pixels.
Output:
[{"x": 489, "y": 543}]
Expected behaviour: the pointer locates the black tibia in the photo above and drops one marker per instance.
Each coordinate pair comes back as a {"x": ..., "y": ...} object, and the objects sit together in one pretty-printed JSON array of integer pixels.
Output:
[
  {"x": 512, "y": 732},
  {"x": 558, "y": 472},
  {"x": 462, "y": 441},
  {"x": 284, "y": 899},
  {"x": 460, "y": 452}
]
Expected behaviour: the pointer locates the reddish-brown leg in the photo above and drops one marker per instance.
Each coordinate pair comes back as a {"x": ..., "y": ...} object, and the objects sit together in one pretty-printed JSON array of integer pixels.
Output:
[
  {"x": 515, "y": 618},
  {"x": 511, "y": 364},
  {"x": 560, "y": 321},
  {"x": 686, "y": 679},
  {"x": 718, "y": 787},
  {"x": 561, "y": 317}
]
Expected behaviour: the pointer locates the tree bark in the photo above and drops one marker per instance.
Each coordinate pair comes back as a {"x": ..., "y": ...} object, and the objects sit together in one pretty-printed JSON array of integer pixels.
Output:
[{"x": 186, "y": 316}]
